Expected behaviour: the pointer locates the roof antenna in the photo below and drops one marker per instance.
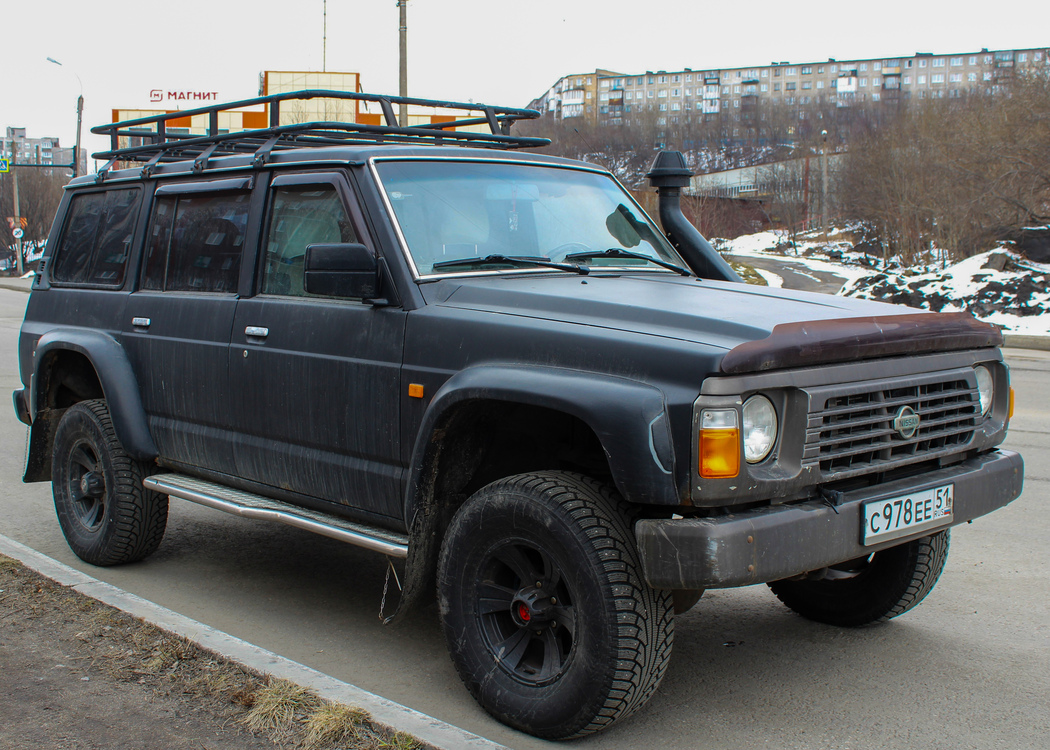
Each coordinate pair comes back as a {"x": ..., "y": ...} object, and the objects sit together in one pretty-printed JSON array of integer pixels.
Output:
[{"x": 594, "y": 151}]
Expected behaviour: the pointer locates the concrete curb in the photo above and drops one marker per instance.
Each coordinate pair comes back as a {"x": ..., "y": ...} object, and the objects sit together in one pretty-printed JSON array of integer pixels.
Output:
[
  {"x": 386, "y": 713},
  {"x": 16, "y": 287},
  {"x": 1026, "y": 341}
]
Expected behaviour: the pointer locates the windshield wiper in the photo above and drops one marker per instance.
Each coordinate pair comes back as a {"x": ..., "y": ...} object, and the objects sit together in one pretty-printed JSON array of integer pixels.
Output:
[
  {"x": 619, "y": 252},
  {"x": 519, "y": 260}
]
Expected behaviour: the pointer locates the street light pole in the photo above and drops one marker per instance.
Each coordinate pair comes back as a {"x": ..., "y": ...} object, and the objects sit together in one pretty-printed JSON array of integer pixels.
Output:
[
  {"x": 824, "y": 184},
  {"x": 80, "y": 116},
  {"x": 76, "y": 151}
]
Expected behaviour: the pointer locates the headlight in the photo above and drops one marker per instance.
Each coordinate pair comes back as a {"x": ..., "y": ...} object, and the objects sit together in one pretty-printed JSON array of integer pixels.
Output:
[
  {"x": 985, "y": 388},
  {"x": 760, "y": 428}
]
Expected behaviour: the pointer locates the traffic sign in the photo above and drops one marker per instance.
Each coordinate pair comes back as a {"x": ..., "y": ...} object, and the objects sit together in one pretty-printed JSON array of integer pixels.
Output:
[
  {"x": 5, "y": 165},
  {"x": 17, "y": 233}
]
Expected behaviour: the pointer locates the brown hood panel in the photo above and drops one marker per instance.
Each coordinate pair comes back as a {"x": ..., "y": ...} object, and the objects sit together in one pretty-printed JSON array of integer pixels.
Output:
[{"x": 817, "y": 342}]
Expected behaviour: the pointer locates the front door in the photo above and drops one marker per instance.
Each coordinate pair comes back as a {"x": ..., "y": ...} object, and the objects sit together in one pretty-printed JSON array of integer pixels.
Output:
[{"x": 316, "y": 379}]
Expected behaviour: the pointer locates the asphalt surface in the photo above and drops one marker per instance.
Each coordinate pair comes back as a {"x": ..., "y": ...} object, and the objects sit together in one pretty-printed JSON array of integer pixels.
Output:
[
  {"x": 796, "y": 275},
  {"x": 966, "y": 669}
]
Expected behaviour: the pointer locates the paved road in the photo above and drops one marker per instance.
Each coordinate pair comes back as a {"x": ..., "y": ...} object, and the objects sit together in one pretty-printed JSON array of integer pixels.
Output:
[
  {"x": 796, "y": 275},
  {"x": 967, "y": 669}
]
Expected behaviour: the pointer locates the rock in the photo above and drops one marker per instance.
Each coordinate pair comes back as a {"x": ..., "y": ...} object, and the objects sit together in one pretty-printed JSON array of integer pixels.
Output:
[{"x": 997, "y": 261}]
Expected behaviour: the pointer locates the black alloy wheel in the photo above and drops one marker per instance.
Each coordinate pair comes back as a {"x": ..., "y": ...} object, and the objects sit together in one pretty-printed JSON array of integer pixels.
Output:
[
  {"x": 525, "y": 611},
  {"x": 86, "y": 485}
]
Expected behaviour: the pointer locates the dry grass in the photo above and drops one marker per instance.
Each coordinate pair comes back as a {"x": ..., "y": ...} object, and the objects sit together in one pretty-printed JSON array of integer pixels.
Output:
[
  {"x": 334, "y": 724},
  {"x": 294, "y": 717},
  {"x": 748, "y": 273},
  {"x": 280, "y": 708}
]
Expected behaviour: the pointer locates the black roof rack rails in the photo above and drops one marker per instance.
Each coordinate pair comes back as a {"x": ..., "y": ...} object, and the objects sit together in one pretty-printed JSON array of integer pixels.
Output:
[{"x": 161, "y": 144}]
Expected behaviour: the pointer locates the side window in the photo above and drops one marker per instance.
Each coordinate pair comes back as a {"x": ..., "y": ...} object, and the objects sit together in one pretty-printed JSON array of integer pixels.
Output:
[
  {"x": 196, "y": 241},
  {"x": 301, "y": 216},
  {"x": 157, "y": 243},
  {"x": 97, "y": 239}
]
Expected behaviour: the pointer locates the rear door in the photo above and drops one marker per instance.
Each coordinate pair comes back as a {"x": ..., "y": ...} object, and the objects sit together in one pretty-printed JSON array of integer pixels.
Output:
[
  {"x": 316, "y": 379},
  {"x": 178, "y": 323}
]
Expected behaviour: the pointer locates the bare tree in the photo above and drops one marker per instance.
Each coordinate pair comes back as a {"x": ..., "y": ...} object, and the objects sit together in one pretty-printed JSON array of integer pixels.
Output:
[
  {"x": 787, "y": 184},
  {"x": 39, "y": 193}
]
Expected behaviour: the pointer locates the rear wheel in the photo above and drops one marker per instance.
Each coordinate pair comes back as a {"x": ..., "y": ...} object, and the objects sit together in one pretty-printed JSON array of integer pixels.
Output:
[
  {"x": 547, "y": 616},
  {"x": 106, "y": 515},
  {"x": 870, "y": 589}
]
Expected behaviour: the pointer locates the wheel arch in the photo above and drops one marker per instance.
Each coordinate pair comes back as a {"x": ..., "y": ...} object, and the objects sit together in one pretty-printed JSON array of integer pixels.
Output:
[
  {"x": 627, "y": 419},
  {"x": 77, "y": 365}
]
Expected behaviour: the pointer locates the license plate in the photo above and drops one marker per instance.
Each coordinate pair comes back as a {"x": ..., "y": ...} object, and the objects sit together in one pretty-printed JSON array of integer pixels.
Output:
[{"x": 899, "y": 516}]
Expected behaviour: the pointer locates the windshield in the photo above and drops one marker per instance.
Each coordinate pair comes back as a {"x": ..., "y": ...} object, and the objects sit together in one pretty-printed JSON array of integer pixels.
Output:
[{"x": 458, "y": 211}]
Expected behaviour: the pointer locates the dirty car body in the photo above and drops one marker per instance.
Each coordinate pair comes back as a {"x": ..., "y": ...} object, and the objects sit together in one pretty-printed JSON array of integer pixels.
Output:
[{"x": 494, "y": 368}]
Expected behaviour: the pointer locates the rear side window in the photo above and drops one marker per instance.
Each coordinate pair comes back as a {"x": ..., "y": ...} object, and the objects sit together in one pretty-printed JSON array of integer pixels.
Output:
[
  {"x": 95, "y": 245},
  {"x": 196, "y": 242}
]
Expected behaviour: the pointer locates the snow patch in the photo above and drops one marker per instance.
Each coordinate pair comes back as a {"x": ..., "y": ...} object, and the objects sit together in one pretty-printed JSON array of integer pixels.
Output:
[
  {"x": 772, "y": 279},
  {"x": 998, "y": 286}
]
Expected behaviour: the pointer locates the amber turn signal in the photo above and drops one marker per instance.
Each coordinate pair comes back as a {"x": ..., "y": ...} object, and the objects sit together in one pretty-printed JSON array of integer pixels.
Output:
[
  {"x": 719, "y": 443},
  {"x": 1010, "y": 411}
]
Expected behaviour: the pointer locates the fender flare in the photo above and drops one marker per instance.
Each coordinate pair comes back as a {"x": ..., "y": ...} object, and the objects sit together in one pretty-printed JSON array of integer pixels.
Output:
[
  {"x": 629, "y": 418},
  {"x": 119, "y": 384}
]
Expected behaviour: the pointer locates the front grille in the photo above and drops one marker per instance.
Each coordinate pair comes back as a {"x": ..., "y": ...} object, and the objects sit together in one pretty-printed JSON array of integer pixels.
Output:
[{"x": 851, "y": 430}]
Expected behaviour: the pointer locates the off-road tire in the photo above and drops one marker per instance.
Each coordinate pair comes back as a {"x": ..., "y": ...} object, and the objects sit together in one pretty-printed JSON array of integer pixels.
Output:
[
  {"x": 888, "y": 584},
  {"x": 606, "y": 645},
  {"x": 107, "y": 516}
]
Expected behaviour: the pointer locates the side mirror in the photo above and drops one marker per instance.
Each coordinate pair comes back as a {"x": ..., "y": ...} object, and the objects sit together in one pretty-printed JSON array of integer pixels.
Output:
[{"x": 341, "y": 270}]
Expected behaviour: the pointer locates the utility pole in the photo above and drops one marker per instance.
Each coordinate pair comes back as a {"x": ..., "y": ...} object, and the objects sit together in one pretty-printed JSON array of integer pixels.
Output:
[
  {"x": 402, "y": 6},
  {"x": 76, "y": 149},
  {"x": 824, "y": 185},
  {"x": 324, "y": 37},
  {"x": 18, "y": 219}
]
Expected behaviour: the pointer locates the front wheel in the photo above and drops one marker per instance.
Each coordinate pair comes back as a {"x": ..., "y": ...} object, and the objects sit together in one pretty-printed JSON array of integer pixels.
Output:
[
  {"x": 106, "y": 515},
  {"x": 870, "y": 589},
  {"x": 547, "y": 616}
]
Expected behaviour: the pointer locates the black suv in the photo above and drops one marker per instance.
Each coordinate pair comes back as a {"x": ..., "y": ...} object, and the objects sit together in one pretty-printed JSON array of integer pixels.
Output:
[{"x": 494, "y": 368}]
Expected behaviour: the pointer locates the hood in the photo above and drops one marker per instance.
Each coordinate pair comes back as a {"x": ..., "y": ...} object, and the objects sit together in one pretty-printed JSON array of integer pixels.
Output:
[{"x": 710, "y": 313}]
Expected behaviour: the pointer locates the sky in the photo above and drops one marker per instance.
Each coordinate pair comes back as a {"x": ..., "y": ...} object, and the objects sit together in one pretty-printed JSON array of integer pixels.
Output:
[{"x": 493, "y": 51}]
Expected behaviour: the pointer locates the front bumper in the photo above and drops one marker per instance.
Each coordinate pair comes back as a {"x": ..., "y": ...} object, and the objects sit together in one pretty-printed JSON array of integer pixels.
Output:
[{"x": 775, "y": 542}]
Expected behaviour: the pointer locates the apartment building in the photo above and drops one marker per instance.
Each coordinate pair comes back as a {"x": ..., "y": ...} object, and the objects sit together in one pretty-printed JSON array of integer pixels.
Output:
[
  {"x": 18, "y": 148},
  {"x": 577, "y": 95},
  {"x": 611, "y": 98}
]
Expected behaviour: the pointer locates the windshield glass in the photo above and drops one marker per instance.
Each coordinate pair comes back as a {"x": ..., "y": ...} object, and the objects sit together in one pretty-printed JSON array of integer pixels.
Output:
[{"x": 456, "y": 211}]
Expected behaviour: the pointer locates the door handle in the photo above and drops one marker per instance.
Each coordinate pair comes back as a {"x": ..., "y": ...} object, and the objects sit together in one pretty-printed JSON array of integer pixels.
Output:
[
  {"x": 140, "y": 322},
  {"x": 257, "y": 332}
]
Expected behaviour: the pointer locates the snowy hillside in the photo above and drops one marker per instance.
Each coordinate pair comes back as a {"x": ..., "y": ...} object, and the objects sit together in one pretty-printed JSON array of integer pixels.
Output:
[{"x": 998, "y": 286}]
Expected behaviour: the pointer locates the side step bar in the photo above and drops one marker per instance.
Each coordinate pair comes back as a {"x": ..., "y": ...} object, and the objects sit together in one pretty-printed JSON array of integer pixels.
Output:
[{"x": 248, "y": 505}]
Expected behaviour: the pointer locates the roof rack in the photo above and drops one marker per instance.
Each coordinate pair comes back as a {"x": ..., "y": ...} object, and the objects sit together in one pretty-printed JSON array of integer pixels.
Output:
[{"x": 161, "y": 144}]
